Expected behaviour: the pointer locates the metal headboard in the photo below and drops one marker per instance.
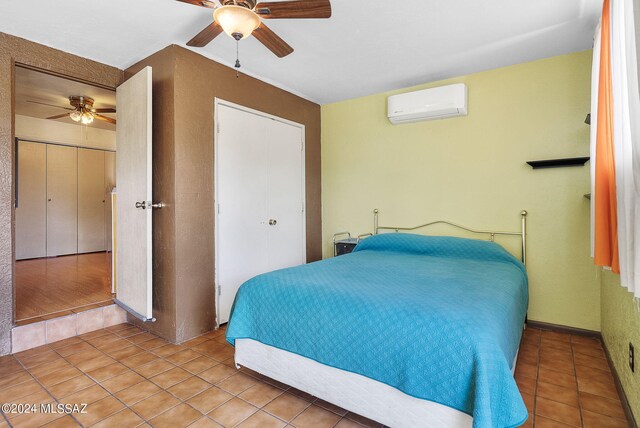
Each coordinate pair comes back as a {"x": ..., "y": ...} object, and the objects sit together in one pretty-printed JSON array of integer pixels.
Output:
[{"x": 492, "y": 234}]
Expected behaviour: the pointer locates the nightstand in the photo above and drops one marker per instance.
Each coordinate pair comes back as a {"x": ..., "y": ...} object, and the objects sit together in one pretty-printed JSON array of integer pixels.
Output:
[{"x": 344, "y": 245}]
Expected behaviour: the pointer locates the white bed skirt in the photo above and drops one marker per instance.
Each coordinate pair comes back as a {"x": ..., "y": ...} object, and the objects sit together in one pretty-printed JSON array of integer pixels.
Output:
[{"x": 356, "y": 393}]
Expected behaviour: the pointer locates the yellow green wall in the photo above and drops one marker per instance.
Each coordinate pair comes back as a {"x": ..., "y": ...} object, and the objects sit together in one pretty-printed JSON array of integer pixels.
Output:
[
  {"x": 471, "y": 170},
  {"x": 621, "y": 325}
]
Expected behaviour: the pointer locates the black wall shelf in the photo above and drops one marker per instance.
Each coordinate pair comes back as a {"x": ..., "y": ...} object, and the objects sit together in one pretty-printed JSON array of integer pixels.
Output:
[{"x": 558, "y": 163}]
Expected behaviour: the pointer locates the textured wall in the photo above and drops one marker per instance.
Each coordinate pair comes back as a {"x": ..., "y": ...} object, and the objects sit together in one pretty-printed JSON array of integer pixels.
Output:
[
  {"x": 16, "y": 50},
  {"x": 7, "y": 215},
  {"x": 472, "y": 170},
  {"x": 184, "y": 301},
  {"x": 621, "y": 325}
]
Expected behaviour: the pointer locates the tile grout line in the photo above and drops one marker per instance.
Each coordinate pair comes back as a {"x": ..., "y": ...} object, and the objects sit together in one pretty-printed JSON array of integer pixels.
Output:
[
  {"x": 130, "y": 369},
  {"x": 575, "y": 373},
  {"x": 46, "y": 389},
  {"x": 119, "y": 334},
  {"x": 89, "y": 376},
  {"x": 163, "y": 389},
  {"x": 535, "y": 390},
  {"x": 6, "y": 419},
  {"x": 82, "y": 371},
  {"x": 574, "y": 353}
]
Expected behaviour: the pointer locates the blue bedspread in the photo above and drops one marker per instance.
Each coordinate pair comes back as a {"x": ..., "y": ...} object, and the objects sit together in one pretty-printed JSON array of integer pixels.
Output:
[{"x": 438, "y": 318}]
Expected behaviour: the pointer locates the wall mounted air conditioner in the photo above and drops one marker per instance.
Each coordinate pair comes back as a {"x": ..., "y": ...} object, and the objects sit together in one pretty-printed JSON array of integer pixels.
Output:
[{"x": 428, "y": 104}]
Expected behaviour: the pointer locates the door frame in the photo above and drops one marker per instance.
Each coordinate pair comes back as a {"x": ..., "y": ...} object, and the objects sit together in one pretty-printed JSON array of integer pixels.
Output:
[
  {"x": 61, "y": 64},
  {"x": 216, "y": 104}
]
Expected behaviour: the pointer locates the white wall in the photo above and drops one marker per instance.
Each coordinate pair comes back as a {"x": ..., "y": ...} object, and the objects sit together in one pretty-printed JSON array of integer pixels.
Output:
[{"x": 30, "y": 128}]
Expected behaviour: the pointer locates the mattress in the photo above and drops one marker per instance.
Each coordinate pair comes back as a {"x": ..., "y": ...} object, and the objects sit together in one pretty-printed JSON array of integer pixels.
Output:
[
  {"x": 350, "y": 391},
  {"x": 436, "y": 318}
]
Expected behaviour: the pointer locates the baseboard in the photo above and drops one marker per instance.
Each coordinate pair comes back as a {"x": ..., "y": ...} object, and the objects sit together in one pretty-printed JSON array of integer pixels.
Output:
[
  {"x": 563, "y": 329},
  {"x": 621, "y": 393},
  {"x": 591, "y": 333}
]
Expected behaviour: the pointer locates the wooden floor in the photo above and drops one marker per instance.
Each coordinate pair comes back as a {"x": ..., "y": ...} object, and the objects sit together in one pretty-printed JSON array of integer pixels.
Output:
[{"x": 51, "y": 285}]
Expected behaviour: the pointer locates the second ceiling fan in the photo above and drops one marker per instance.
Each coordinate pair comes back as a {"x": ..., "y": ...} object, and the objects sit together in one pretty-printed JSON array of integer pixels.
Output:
[{"x": 241, "y": 18}]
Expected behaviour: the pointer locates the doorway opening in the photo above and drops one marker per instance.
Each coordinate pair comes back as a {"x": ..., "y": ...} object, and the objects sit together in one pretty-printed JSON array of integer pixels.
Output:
[{"x": 65, "y": 185}]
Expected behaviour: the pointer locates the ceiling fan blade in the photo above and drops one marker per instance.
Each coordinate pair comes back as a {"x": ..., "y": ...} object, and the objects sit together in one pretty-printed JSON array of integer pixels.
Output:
[
  {"x": 294, "y": 9},
  {"x": 58, "y": 116},
  {"x": 205, "y": 36},
  {"x": 50, "y": 105},
  {"x": 104, "y": 118},
  {"x": 203, "y": 3},
  {"x": 103, "y": 110},
  {"x": 272, "y": 41}
]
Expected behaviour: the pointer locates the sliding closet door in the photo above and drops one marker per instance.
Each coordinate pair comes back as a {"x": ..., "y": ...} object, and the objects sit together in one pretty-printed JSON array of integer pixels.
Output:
[
  {"x": 31, "y": 212},
  {"x": 241, "y": 202},
  {"x": 91, "y": 201},
  {"x": 109, "y": 184},
  {"x": 62, "y": 200},
  {"x": 285, "y": 195}
]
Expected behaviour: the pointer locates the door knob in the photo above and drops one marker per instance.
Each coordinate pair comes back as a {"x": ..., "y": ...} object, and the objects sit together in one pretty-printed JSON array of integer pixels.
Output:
[
  {"x": 144, "y": 205},
  {"x": 272, "y": 222}
]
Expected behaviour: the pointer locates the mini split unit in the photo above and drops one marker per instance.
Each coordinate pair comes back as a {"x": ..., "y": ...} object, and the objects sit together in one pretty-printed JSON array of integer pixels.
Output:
[{"x": 429, "y": 104}]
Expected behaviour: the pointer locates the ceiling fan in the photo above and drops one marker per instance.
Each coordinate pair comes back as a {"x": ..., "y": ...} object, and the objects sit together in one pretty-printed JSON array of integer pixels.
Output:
[
  {"x": 82, "y": 110},
  {"x": 241, "y": 18}
]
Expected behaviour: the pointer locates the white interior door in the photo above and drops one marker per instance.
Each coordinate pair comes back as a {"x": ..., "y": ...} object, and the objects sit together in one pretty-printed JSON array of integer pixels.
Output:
[
  {"x": 249, "y": 145},
  {"x": 62, "y": 200},
  {"x": 31, "y": 212},
  {"x": 91, "y": 201},
  {"x": 285, "y": 158},
  {"x": 241, "y": 203},
  {"x": 109, "y": 184},
  {"x": 134, "y": 276}
]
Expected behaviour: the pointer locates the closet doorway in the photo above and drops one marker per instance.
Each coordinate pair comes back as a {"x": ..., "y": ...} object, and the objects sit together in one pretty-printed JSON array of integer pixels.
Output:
[
  {"x": 65, "y": 183},
  {"x": 260, "y": 197}
]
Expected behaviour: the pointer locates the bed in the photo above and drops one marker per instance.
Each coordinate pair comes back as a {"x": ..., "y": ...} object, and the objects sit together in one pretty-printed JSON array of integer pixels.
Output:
[{"x": 408, "y": 330}]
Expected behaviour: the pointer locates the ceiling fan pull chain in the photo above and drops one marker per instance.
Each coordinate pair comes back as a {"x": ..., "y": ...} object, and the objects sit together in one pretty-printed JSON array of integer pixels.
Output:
[{"x": 237, "y": 66}]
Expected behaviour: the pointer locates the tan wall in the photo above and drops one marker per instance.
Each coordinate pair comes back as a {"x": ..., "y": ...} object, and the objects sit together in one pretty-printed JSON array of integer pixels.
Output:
[
  {"x": 15, "y": 50},
  {"x": 188, "y": 139}
]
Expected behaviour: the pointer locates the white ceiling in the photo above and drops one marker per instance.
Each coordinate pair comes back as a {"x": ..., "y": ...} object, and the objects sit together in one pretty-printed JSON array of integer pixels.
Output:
[
  {"x": 45, "y": 88},
  {"x": 365, "y": 47}
]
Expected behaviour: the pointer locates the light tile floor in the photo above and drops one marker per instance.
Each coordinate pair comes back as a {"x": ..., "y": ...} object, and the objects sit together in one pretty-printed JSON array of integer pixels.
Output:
[{"x": 130, "y": 378}]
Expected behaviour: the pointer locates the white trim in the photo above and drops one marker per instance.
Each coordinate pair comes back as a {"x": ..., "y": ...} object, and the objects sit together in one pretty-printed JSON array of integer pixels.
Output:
[
  {"x": 149, "y": 212},
  {"x": 220, "y": 102}
]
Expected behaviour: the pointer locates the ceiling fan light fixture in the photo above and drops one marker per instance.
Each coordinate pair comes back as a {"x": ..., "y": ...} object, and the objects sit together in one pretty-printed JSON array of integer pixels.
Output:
[
  {"x": 87, "y": 118},
  {"x": 76, "y": 116},
  {"x": 237, "y": 21}
]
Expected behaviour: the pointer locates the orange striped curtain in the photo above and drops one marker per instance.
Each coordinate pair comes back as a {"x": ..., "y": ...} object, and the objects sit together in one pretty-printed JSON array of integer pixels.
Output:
[{"x": 606, "y": 222}]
